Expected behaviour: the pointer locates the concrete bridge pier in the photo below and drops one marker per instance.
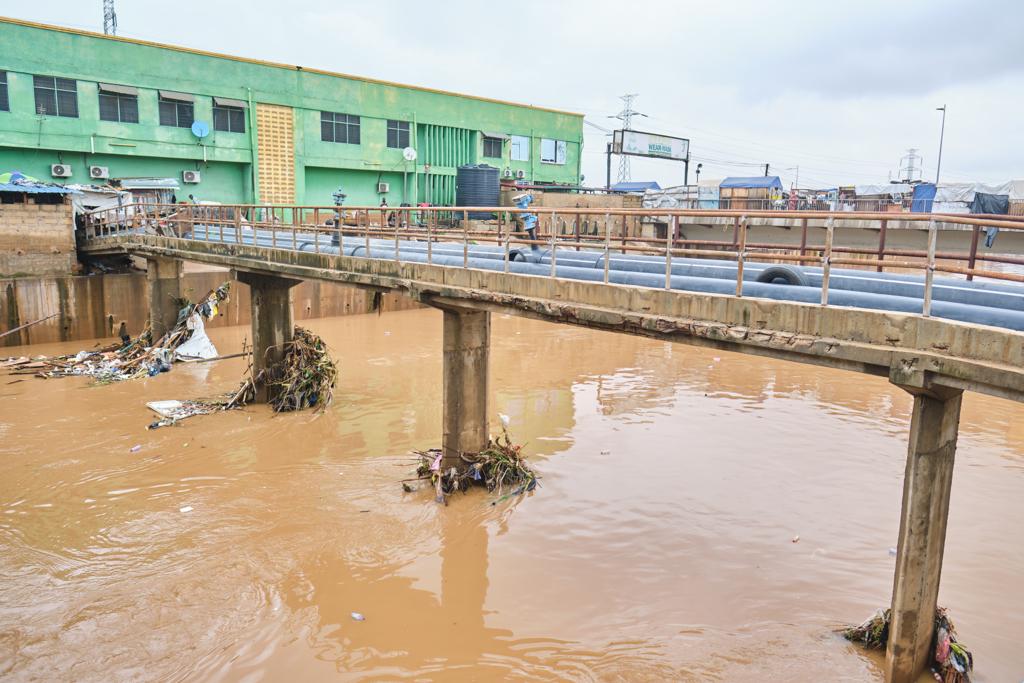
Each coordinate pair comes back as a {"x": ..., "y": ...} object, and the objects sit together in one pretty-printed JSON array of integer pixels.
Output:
[
  {"x": 164, "y": 280},
  {"x": 467, "y": 344},
  {"x": 273, "y": 324},
  {"x": 926, "y": 488}
]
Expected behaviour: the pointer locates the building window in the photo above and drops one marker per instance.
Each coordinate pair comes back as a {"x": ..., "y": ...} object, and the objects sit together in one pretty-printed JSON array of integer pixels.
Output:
[
  {"x": 336, "y": 127},
  {"x": 520, "y": 148},
  {"x": 56, "y": 96},
  {"x": 398, "y": 134},
  {"x": 492, "y": 147},
  {"x": 552, "y": 151},
  {"x": 5, "y": 104},
  {"x": 176, "y": 109},
  {"x": 228, "y": 115},
  {"x": 118, "y": 103}
]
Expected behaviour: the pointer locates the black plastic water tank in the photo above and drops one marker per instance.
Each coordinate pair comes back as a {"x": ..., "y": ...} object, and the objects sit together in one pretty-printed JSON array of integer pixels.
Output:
[{"x": 477, "y": 186}]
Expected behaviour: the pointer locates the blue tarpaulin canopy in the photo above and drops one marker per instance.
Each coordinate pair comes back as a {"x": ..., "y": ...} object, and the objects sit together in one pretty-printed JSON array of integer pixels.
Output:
[
  {"x": 636, "y": 186},
  {"x": 924, "y": 198},
  {"x": 763, "y": 181}
]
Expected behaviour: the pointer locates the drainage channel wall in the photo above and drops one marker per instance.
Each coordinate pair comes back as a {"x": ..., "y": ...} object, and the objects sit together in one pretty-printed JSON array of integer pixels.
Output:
[{"x": 92, "y": 307}]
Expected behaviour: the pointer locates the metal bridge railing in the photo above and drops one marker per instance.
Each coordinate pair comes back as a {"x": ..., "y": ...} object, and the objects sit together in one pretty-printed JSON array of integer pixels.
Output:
[{"x": 605, "y": 231}]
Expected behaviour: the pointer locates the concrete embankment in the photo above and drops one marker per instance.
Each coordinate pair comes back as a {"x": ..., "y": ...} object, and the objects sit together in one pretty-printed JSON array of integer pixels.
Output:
[{"x": 92, "y": 306}]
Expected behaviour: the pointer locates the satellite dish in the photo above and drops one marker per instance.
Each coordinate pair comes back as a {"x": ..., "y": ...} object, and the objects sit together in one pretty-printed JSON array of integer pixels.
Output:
[
  {"x": 409, "y": 153},
  {"x": 200, "y": 129}
]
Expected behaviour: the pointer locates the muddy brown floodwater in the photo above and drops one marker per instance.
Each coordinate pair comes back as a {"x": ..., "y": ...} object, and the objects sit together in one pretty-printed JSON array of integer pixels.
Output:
[{"x": 659, "y": 546}]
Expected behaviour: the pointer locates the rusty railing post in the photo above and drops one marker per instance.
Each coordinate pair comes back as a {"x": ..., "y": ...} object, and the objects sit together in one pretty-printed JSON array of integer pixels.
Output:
[
  {"x": 826, "y": 259},
  {"x": 465, "y": 238},
  {"x": 430, "y": 243},
  {"x": 929, "y": 273},
  {"x": 741, "y": 255},
  {"x": 551, "y": 226},
  {"x": 607, "y": 245},
  {"x": 973, "y": 257},
  {"x": 803, "y": 238},
  {"x": 881, "y": 244}
]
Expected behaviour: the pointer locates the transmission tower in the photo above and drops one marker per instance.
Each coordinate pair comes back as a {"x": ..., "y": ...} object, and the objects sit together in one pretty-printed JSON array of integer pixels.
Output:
[
  {"x": 109, "y": 18},
  {"x": 910, "y": 167},
  {"x": 626, "y": 116}
]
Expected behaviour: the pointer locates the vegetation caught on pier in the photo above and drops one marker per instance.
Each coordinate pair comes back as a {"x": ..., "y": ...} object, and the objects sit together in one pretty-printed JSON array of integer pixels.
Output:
[
  {"x": 304, "y": 378},
  {"x": 501, "y": 468},
  {"x": 951, "y": 661}
]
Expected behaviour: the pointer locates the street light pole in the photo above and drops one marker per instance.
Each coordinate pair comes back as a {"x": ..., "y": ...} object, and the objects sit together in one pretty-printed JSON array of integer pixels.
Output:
[{"x": 942, "y": 134}]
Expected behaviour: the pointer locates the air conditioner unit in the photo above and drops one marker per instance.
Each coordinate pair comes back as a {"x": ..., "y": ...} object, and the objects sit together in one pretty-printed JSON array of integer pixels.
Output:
[
  {"x": 191, "y": 176},
  {"x": 99, "y": 172},
  {"x": 60, "y": 170},
  {"x": 520, "y": 174},
  {"x": 507, "y": 173},
  {"x": 383, "y": 188}
]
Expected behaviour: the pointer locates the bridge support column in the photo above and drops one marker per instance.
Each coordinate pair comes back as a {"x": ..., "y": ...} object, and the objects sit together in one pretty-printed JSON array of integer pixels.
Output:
[
  {"x": 164, "y": 280},
  {"x": 272, "y": 322},
  {"x": 467, "y": 343},
  {"x": 926, "y": 488}
]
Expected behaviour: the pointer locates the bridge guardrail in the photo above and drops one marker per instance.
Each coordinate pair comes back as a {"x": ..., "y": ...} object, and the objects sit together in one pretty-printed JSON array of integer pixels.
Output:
[{"x": 605, "y": 230}]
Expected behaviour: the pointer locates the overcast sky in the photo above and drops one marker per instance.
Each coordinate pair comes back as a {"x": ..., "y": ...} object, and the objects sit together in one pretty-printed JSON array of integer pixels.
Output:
[{"x": 840, "y": 89}]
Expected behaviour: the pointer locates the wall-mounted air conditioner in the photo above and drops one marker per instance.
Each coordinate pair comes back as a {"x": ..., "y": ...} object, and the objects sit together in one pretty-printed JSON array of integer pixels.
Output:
[
  {"x": 99, "y": 172},
  {"x": 520, "y": 174},
  {"x": 191, "y": 176},
  {"x": 507, "y": 173},
  {"x": 60, "y": 170},
  {"x": 383, "y": 188}
]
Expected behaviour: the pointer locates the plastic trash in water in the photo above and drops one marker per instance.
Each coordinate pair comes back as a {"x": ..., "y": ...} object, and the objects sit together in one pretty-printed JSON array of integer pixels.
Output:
[
  {"x": 505, "y": 419},
  {"x": 356, "y": 616},
  {"x": 436, "y": 465},
  {"x": 187, "y": 508},
  {"x": 135, "y": 449},
  {"x": 892, "y": 552}
]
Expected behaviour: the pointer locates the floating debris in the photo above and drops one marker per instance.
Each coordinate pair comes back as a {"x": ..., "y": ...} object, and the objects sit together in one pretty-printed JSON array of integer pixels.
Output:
[
  {"x": 951, "y": 661},
  {"x": 140, "y": 357},
  {"x": 356, "y": 616},
  {"x": 499, "y": 466}
]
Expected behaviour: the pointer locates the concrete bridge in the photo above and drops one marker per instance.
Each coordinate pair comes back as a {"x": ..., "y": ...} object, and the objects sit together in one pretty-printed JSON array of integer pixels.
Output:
[{"x": 933, "y": 359}]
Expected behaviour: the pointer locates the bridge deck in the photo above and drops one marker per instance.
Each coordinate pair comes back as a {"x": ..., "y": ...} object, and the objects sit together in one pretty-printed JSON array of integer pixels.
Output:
[{"x": 911, "y": 349}]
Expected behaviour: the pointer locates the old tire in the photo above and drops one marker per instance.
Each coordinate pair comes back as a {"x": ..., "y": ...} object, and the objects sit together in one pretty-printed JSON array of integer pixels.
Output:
[{"x": 787, "y": 275}]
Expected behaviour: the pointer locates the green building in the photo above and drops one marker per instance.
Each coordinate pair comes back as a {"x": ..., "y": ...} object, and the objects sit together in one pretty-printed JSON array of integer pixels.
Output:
[{"x": 110, "y": 107}]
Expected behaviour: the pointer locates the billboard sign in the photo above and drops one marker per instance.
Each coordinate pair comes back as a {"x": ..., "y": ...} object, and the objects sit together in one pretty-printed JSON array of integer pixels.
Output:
[{"x": 650, "y": 145}]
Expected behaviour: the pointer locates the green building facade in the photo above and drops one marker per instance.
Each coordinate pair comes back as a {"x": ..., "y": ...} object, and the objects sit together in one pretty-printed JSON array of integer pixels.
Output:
[{"x": 277, "y": 133}]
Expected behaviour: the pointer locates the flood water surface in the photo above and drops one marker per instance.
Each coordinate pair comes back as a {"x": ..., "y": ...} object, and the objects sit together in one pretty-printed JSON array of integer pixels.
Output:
[{"x": 660, "y": 546}]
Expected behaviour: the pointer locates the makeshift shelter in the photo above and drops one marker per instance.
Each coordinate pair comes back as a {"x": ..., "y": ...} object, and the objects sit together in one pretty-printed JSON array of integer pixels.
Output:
[
  {"x": 894, "y": 197},
  {"x": 36, "y": 228},
  {"x": 755, "y": 193}
]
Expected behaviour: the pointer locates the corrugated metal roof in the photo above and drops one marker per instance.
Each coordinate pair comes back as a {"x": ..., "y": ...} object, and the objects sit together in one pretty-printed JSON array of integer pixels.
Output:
[
  {"x": 36, "y": 189},
  {"x": 636, "y": 186}
]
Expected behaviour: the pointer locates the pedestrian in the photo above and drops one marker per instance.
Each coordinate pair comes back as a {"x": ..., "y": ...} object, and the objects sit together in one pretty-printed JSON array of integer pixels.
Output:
[{"x": 122, "y": 332}]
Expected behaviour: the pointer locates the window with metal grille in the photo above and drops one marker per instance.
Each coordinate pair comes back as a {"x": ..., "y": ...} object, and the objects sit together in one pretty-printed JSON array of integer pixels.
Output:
[
  {"x": 119, "y": 107},
  {"x": 520, "y": 148},
  {"x": 56, "y": 96},
  {"x": 229, "y": 119},
  {"x": 336, "y": 127},
  {"x": 5, "y": 104},
  {"x": 176, "y": 113},
  {"x": 492, "y": 147},
  {"x": 398, "y": 134}
]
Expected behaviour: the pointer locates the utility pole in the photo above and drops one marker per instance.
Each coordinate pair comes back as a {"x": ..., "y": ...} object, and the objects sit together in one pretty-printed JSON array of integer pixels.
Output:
[
  {"x": 942, "y": 134},
  {"x": 766, "y": 170},
  {"x": 626, "y": 116},
  {"x": 608, "y": 167},
  {"x": 109, "y": 18}
]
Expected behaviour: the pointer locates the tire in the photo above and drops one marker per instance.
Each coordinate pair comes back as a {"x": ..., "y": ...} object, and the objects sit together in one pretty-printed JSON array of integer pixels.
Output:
[{"x": 788, "y": 275}]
